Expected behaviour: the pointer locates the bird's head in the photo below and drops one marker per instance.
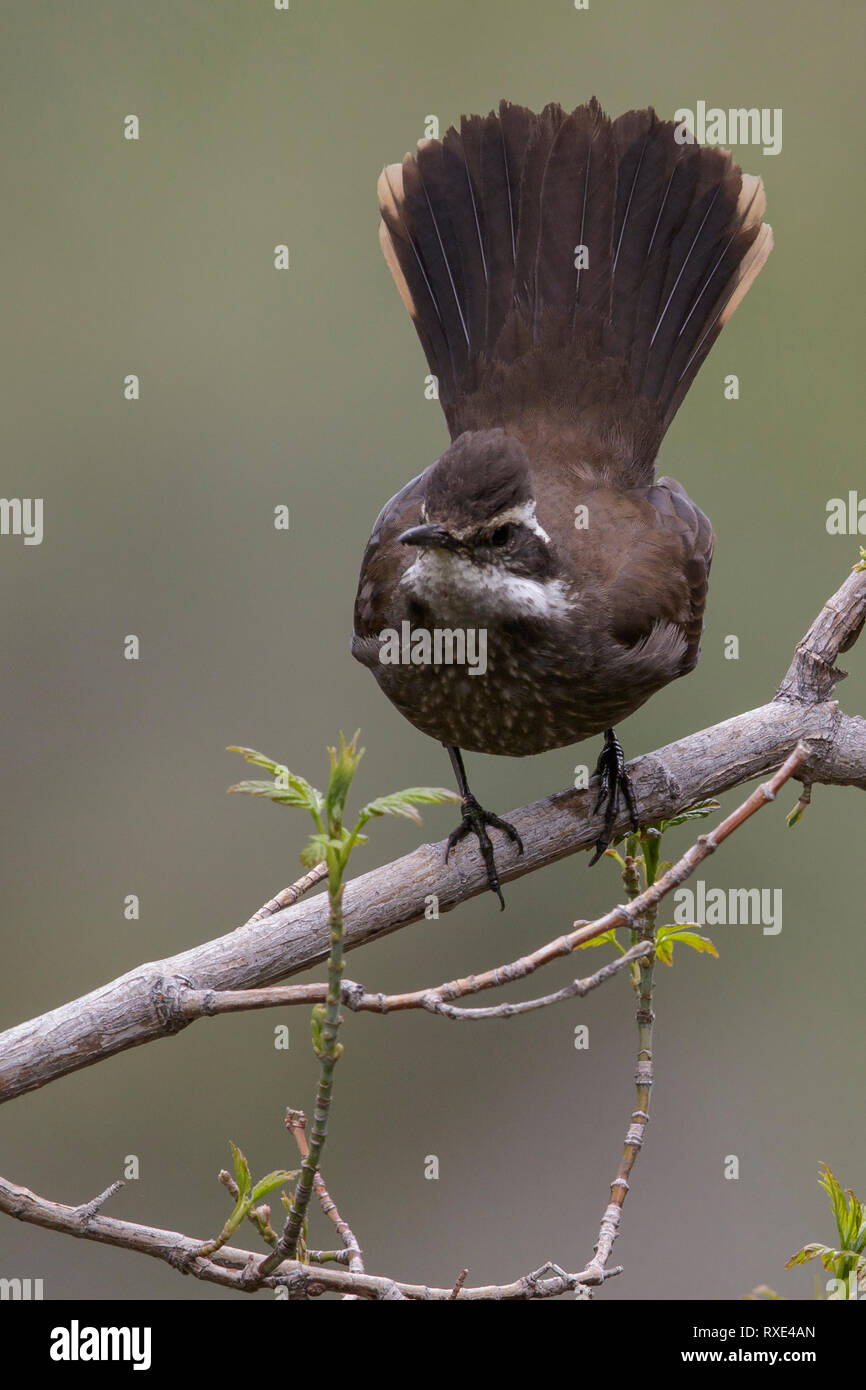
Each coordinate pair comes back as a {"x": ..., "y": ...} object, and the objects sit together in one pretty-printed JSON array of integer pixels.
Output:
[{"x": 479, "y": 540}]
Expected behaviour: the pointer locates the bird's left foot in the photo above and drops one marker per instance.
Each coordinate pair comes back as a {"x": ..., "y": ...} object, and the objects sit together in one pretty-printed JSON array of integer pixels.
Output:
[
  {"x": 614, "y": 784},
  {"x": 475, "y": 822}
]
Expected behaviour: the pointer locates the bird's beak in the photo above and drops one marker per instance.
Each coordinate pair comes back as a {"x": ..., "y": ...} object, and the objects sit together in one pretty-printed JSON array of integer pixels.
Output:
[{"x": 431, "y": 535}]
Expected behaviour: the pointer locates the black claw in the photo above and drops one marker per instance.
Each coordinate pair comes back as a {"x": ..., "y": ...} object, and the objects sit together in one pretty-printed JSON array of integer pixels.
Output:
[
  {"x": 613, "y": 783},
  {"x": 475, "y": 822}
]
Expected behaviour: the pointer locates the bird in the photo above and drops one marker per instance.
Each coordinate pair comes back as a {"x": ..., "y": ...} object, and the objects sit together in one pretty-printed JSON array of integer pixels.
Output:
[{"x": 566, "y": 274}]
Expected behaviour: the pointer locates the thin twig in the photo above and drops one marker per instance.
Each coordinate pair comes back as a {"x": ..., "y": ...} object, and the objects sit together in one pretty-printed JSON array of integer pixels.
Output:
[
  {"x": 296, "y": 1124},
  {"x": 213, "y": 1002},
  {"x": 640, "y": 913},
  {"x": 236, "y": 1269},
  {"x": 88, "y": 1210},
  {"x": 643, "y": 1079},
  {"x": 289, "y": 896},
  {"x": 577, "y": 987},
  {"x": 328, "y": 1052}
]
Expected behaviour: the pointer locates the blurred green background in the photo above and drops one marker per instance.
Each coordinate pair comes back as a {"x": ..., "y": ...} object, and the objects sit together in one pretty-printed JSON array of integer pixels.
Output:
[{"x": 306, "y": 388}]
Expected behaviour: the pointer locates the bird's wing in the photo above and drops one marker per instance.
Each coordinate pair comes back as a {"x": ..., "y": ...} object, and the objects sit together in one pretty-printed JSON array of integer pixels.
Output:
[{"x": 661, "y": 575}]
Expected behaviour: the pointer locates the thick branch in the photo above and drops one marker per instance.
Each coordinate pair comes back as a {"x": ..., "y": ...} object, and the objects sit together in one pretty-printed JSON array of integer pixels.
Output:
[
  {"x": 813, "y": 674},
  {"x": 146, "y": 1003}
]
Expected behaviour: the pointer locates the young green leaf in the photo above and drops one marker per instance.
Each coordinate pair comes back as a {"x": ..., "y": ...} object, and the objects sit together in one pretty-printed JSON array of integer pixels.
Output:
[
  {"x": 344, "y": 765},
  {"x": 847, "y": 1210},
  {"x": 242, "y": 1171},
  {"x": 284, "y": 796},
  {"x": 318, "y": 845},
  {"x": 849, "y": 1259},
  {"x": 404, "y": 803},
  {"x": 607, "y": 938},
  {"x": 271, "y": 1183},
  {"x": 317, "y": 1021},
  {"x": 260, "y": 759},
  {"x": 825, "y": 1253},
  {"x": 313, "y": 853},
  {"x": 696, "y": 812},
  {"x": 688, "y": 933},
  {"x": 288, "y": 788}
]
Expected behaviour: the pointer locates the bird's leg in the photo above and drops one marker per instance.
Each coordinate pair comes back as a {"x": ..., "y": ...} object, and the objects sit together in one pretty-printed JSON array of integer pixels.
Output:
[
  {"x": 475, "y": 822},
  {"x": 614, "y": 781}
]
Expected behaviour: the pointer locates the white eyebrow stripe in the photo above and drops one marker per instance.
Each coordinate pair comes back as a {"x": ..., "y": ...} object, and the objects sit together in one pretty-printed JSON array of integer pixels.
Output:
[{"x": 521, "y": 515}]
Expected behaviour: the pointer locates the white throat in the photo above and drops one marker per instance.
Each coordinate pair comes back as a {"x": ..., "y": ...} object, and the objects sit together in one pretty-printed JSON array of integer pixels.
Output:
[{"x": 450, "y": 583}]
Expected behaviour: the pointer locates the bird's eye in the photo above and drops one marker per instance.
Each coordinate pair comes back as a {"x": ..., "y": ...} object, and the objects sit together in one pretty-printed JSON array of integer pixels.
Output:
[{"x": 502, "y": 535}]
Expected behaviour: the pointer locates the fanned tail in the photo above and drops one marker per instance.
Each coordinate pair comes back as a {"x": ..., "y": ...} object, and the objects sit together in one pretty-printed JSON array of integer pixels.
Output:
[{"x": 541, "y": 256}]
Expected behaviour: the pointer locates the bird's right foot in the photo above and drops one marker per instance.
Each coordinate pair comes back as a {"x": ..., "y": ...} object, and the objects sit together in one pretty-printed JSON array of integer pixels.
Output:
[{"x": 475, "y": 822}]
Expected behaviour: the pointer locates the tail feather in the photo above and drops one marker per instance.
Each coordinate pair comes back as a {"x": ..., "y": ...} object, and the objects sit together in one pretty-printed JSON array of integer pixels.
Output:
[
  {"x": 542, "y": 133},
  {"x": 594, "y": 283},
  {"x": 480, "y": 232},
  {"x": 741, "y": 256},
  {"x": 430, "y": 222},
  {"x": 467, "y": 217},
  {"x": 577, "y": 199},
  {"x": 674, "y": 199},
  {"x": 498, "y": 227},
  {"x": 561, "y": 203},
  {"x": 646, "y": 162},
  {"x": 692, "y": 234},
  {"x": 515, "y": 123},
  {"x": 406, "y": 263},
  {"x": 576, "y": 213}
]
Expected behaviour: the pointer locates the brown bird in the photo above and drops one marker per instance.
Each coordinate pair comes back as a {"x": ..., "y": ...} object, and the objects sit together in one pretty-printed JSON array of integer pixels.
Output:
[{"x": 567, "y": 275}]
